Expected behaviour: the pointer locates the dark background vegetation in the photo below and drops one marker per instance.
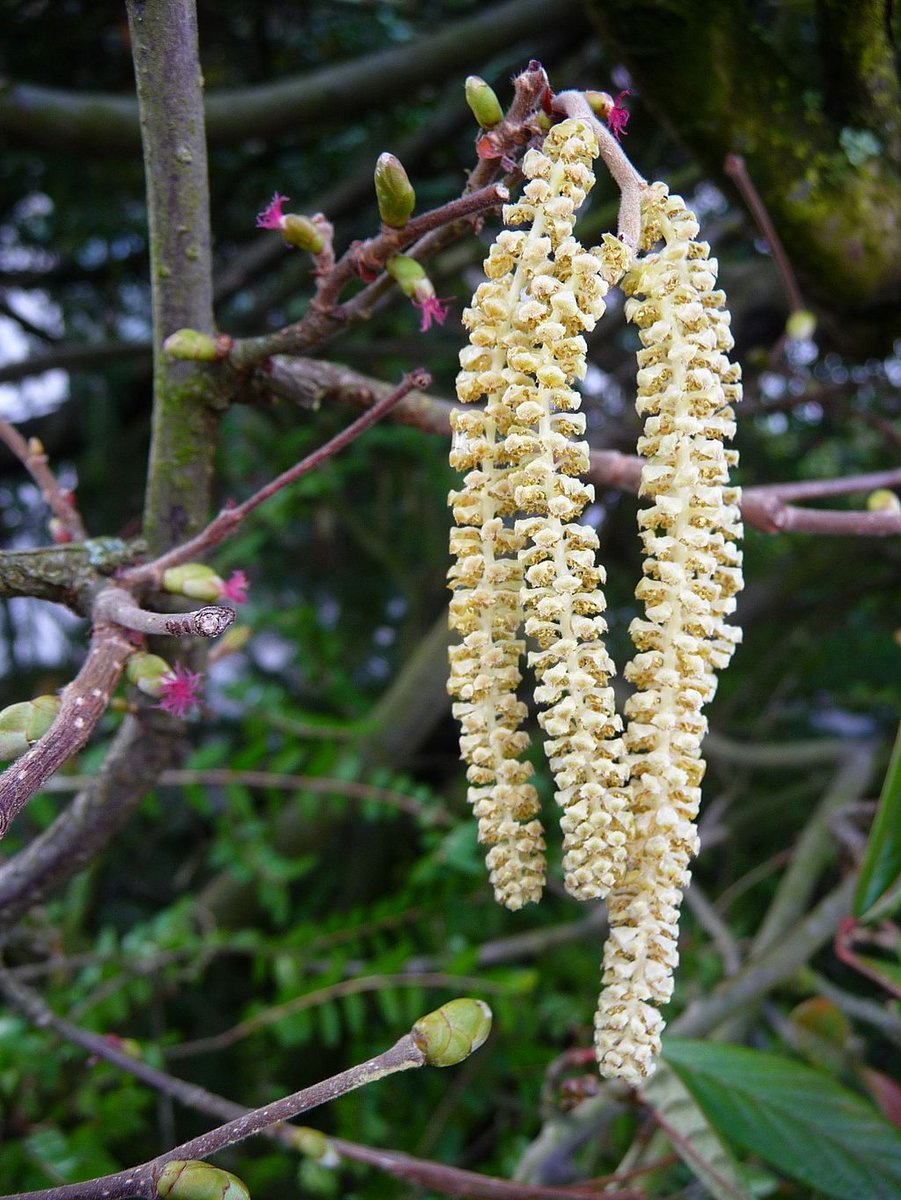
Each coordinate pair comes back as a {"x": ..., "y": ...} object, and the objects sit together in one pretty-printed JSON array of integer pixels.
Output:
[{"x": 217, "y": 903}]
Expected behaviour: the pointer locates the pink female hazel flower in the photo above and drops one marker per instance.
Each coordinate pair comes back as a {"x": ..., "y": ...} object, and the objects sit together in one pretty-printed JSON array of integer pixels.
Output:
[
  {"x": 618, "y": 116},
  {"x": 179, "y": 692},
  {"x": 432, "y": 309},
  {"x": 234, "y": 588},
  {"x": 272, "y": 217}
]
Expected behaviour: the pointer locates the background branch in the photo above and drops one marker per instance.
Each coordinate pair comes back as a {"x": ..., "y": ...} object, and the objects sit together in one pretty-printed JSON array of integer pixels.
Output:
[{"x": 108, "y": 124}]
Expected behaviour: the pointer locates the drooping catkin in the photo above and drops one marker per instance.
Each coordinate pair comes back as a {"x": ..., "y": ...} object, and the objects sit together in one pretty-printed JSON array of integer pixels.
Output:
[
  {"x": 692, "y": 571},
  {"x": 526, "y": 351}
]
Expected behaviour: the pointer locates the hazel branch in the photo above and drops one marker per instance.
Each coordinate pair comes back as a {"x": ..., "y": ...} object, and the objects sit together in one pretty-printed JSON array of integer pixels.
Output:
[
  {"x": 34, "y": 460},
  {"x": 448, "y": 1180},
  {"x": 441, "y": 1038},
  {"x": 766, "y": 507},
  {"x": 324, "y": 314},
  {"x": 229, "y": 518},
  {"x": 119, "y": 606},
  {"x": 84, "y": 701},
  {"x": 426, "y": 234}
]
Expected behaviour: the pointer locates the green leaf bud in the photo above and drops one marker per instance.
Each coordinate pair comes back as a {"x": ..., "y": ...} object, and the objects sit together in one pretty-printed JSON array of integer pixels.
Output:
[
  {"x": 600, "y": 102},
  {"x": 147, "y": 672},
  {"x": 21, "y": 725},
  {"x": 193, "y": 345},
  {"x": 882, "y": 500},
  {"x": 196, "y": 580},
  {"x": 485, "y": 106},
  {"x": 407, "y": 273},
  {"x": 453, "y": 1031},
  {"x": 393, "y": 191},
  {"x": 801, "y": 325},
  {"x": 302, "y": 232},
  {"x": 196, "y": 1180}
]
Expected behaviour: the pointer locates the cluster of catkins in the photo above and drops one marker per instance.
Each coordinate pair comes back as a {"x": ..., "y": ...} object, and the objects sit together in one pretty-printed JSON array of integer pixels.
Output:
[{"x": 525, "y": 565}]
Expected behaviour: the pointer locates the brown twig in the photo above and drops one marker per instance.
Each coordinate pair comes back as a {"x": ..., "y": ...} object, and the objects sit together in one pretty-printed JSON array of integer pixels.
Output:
[
  {"x": 765, "y": 507},
  {"x": 421, "y": 237},
  {"x": 735, "y": 168},
  {"x": 229, "y": 518},
  {"x": 34, "y": 460},
  {"x": 324, "y": 313},
  {"x": 141, "y": 1180},
  {"x": 447, "y": 1180},
  {"x": 119, "y": 606},
  {"x": 84, "y": 701}
]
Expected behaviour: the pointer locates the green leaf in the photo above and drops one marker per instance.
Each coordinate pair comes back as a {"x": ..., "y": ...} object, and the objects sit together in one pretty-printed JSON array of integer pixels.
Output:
[
  {"x": 795, "y": 1118},
  {"x": 882, "y": 859},
  {"x": 692, "y": 1136}
]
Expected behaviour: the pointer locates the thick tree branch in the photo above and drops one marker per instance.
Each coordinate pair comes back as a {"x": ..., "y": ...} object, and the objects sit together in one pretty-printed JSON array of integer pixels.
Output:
[
  {"x": 108, "y": 124},
  {"x": 67, "y": 575},
  {"x": 861, "y": 67},
  {"x": 70, "y": 358},
  {"x": 167, "y": 71}
]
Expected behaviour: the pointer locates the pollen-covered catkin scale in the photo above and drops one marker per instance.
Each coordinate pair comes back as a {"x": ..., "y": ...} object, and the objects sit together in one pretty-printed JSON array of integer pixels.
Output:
[{"x": 692, "y": 571}]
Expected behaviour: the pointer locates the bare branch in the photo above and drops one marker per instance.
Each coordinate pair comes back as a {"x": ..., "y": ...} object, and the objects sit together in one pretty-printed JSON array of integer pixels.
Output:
[
  {"x": 108, "y": 124},
  {"x": 117, "y": 605},
  {"x": 763, "y": 507},
  {"x": 223, "y": 525},
  {"x": 69, "y": 358},
  {"x": 366, "y": 259},
  {"x": 448, "y": 1180},
  {"x": 83, "y": 703},
  {"x": 141, "y": 1180}
]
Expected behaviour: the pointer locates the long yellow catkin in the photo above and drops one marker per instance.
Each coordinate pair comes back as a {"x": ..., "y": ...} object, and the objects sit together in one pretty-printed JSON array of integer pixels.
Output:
[
  {"x": 692, "y": 571},
  {"x": 525, "y": 351}
]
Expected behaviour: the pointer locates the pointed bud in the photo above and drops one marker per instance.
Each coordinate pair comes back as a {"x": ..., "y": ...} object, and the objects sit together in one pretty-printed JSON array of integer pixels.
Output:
[
  {"x": 148, "y": 672},
  {"x": 196, "y": 580},
  {"x": 35, "y": 447},
  {"x": 192, "y": 345},
  {"x": 196, "y": 1180},
  {"x": 21, "y": 725},
  {"x": 452, "y": 1032},
  {"x": 801, "y": 325},
  {"x": 301, "y": 232},
  {"x": 882, "y": 500},
  {"x": 484, "y": 104},
  {"x": 408, "y": 274},
  {"x": 393, "y": 191}
]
